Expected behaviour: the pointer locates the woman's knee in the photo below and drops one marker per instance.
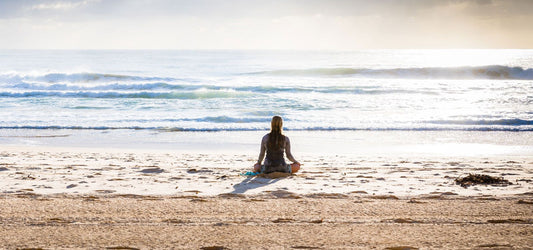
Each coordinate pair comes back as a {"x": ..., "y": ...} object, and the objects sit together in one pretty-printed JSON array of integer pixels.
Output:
[{"x": 295, "y": 167}]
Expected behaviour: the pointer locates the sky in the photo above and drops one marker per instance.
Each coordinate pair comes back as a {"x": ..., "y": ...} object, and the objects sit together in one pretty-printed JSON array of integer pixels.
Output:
[{"x": 266, "y": 24}]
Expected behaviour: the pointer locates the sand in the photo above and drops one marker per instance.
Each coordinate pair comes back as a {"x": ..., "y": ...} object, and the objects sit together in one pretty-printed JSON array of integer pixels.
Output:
[
  {"x": 264, "y": 223},
  {"x": 95, "y": 198},
  {"x": 48, "y": 170}
]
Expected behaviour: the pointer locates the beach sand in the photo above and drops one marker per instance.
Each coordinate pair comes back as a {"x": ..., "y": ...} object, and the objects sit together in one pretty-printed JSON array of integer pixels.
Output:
[
  {"x": 55, "y": 170},
  {"x": 56, "y": 197},
  {"x": 265, "y": 223}
]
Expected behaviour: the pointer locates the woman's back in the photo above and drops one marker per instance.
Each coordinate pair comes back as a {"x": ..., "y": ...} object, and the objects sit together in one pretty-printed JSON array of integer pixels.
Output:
[
  {"x": 275, "y": 159},
  {"x": 275, "y": 144}
]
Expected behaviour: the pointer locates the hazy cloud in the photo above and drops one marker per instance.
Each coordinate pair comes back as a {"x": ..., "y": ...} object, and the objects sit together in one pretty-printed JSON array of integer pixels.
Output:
[
  {"x": 61, "y": 5},
  {"x": 274, "y": 24}
]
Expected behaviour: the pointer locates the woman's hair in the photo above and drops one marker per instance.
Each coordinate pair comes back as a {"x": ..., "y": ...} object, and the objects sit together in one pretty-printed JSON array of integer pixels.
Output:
[{"x": 276, "y": 139}]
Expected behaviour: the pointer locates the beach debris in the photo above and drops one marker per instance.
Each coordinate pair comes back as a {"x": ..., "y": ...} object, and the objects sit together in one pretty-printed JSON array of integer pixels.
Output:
[
  {"x": 524, "y": 202},
  {"x": 483, "y": 179},
  {"x": 3, "y": 169},
  {"x": 304, "y": 247},
  {"x": 72, "y": 185}
]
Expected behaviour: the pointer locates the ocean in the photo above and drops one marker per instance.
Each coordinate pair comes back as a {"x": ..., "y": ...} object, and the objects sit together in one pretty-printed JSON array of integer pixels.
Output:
[{"x": 199, "y": 91}]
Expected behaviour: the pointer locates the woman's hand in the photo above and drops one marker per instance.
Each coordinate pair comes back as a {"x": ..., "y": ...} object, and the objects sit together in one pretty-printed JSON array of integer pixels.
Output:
[
  {"x": 257, "y": 167},
  {"x": 295, "y": 167}
]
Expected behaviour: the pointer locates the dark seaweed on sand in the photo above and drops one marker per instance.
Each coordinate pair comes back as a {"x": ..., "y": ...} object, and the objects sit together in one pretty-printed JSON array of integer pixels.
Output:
[{"x": 475, "y": 179}]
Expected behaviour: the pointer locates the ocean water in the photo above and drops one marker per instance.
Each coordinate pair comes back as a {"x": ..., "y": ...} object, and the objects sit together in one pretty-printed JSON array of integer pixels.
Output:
[{"x": 377, "y": 90}]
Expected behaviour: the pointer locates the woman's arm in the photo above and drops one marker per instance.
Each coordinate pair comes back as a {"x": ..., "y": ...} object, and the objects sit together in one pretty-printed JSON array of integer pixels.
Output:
[
  {"x": 288, "y": 150},
  {"x": 262, "y": 150}
]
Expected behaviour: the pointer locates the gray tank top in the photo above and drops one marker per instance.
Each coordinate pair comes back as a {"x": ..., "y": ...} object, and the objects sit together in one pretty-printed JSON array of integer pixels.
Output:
[{"x": 275, "y": 160}]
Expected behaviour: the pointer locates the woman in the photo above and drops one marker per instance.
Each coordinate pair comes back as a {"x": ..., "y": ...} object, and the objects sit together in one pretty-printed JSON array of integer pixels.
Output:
[{"x": 275, "y": 144}]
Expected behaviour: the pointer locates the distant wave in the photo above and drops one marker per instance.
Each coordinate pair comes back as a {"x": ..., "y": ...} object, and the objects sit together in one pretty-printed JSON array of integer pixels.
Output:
[
  {"x": 184, "y": 129},
  {"x": 209, "y": 119},
  {"x": 75, "y": 77},
  {"x": 112, "y": 86},
  {"x": 466, "y": 72},
  {"x": 161, "y": 90},
  {"x": 143, "y": 94},
  {"x": 499, "y": 122},
  {"x": 207, "y": 124}
]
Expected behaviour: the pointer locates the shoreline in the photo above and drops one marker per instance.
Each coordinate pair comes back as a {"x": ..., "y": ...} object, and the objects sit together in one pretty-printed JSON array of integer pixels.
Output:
[{"x": 360, "y": 143}]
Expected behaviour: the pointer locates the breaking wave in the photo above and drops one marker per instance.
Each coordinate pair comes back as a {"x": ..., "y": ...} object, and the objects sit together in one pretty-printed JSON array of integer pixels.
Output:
[
  {"x": 466, "y": 72},
  {"x": 143, "y": 94},
  {"x": 75, "y": 77},
  {"x": 169, "y": 91},
  {"x": 499, "y": 122},
  {"x": 227, "y": 123}
]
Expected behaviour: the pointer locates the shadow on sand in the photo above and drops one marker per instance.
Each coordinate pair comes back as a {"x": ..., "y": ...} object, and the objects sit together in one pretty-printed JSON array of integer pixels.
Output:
[{"x": 258, "y": 181}]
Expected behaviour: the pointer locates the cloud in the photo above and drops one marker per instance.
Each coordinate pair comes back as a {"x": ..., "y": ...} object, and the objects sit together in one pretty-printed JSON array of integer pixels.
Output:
[
  {"x": 62, "y": 5},
  {"x": 273, "y": 24}
]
